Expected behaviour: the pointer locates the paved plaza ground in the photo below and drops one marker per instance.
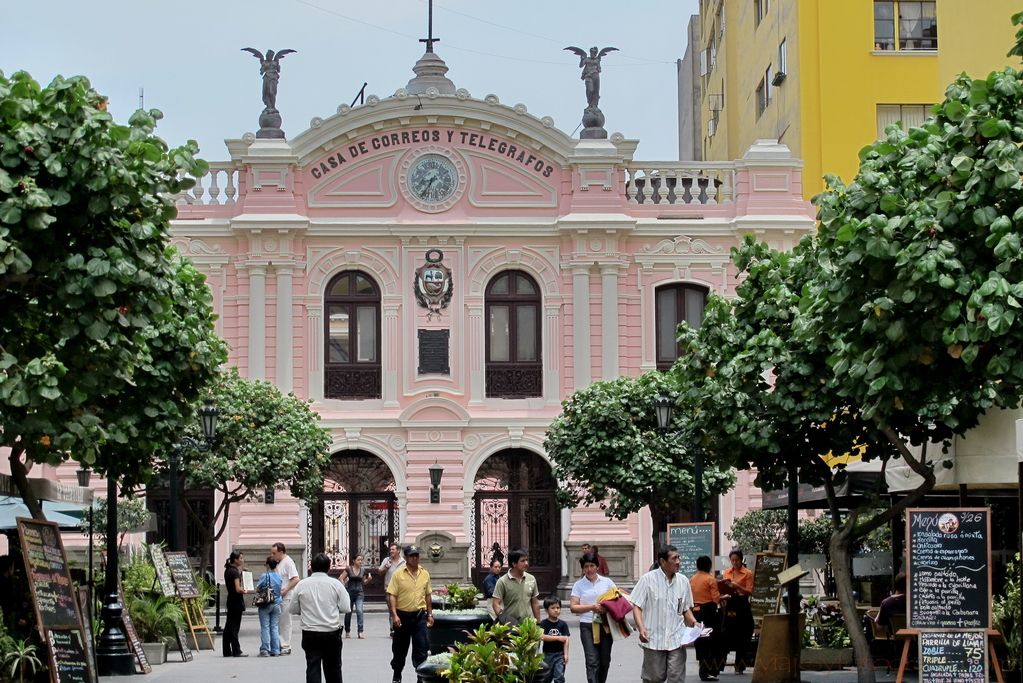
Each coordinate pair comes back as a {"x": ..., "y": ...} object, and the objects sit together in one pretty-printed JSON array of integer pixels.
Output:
[{"x": 367, "y": 661}]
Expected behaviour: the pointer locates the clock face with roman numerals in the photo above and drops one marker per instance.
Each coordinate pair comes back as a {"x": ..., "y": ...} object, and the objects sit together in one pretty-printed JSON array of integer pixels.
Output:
[{"x": 432, "y": 179}]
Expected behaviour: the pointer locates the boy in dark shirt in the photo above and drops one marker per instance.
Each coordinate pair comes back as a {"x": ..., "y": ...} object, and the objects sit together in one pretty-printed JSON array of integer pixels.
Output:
[{"x": 555, "y": 640}]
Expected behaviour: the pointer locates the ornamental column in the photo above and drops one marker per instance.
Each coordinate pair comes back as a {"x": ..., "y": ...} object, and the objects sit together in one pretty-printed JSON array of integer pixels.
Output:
[
  {"x": 257, "y": 322},
  {"x": 581, "y": 324},
  {"x": 609, "y": 320},
  {"x": 285, "y": 333}
]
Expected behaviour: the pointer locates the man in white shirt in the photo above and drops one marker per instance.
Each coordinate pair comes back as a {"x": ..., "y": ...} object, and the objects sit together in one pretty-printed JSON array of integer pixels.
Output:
[
  {"x": 392, "y": 563},
  {"x": 289, "y": 573},
  {"x": 663, "y": 603},
  {"x": 322, "y": 602}
]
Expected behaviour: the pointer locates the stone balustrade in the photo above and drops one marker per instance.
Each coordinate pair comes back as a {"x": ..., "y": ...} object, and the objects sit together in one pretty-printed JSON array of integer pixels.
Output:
[
  {"x": 218, "y": 187},
  {"x": 679, "y": 182}
]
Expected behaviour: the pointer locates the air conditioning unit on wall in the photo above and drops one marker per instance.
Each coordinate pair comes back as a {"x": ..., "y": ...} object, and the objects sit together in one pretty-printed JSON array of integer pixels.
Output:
[
  {"x": 778, "y": 79},
  {"x": 712, "y": 127}
]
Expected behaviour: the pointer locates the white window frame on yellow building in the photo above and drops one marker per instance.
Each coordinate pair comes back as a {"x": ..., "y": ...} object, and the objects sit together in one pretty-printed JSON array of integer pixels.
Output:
[
  {"x": 896, "y": 27},
  {"x": 910, "y": 115}
]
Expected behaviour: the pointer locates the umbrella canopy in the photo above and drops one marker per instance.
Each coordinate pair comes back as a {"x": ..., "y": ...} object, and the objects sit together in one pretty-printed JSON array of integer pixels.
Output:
[{"x": 66, "y": 515}]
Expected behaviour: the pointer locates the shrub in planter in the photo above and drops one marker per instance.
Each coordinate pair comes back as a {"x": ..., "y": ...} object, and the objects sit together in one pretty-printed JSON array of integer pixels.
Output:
[
  {"x": 459, "y": 615},
  {"x": 1006, "y": 614},
  {"x": 499, "y": 653},
  {"x": 156, "y": 618}
]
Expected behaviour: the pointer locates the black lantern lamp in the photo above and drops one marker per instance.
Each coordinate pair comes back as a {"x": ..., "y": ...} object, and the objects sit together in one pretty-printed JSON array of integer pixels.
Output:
[
  {"x": 208, "y": 414},
  {"x": 436, "y": 472},
  {"x": 664, "y": 406}
]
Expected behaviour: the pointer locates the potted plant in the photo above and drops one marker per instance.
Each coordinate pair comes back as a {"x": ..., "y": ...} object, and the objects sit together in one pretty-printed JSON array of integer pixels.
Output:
[
  {"x": 156, "y": 619},
  {"x": 20, "y": 659},
  {"x": 459, "y": 614},
  {"x": 495, "y": 653},
  {"x": 826, "y": 643}
]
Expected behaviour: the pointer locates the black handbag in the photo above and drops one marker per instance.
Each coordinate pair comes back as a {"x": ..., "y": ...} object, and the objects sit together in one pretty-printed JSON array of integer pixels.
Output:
[{"x": 264, "y": 596}]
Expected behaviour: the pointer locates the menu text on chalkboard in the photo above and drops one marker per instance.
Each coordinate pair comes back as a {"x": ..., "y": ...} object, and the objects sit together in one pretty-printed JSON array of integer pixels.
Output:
[
  {"x": 163, "y": 573},
  {"x": 181, "y": 570},
  {"x": 691, "y": 541},
  {"x": 949, "y": 568},
  {"x": 953, "y": 657},
  {"x": 48, "y": 576},
  {"x": 766, "y": 596},
  {"x": 68, "y": 662}
]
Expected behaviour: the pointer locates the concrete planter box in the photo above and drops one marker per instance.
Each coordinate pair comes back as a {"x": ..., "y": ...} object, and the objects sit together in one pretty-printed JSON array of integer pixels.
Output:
[
  {"x": 825, "y": 658},
  {"x": 156, "y": 653}
]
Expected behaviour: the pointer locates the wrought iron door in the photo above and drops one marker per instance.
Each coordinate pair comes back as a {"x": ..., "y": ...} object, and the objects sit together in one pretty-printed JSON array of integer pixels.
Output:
[
  {"x": 357, "y": 515},
  {"x": 516, "y": 507}
]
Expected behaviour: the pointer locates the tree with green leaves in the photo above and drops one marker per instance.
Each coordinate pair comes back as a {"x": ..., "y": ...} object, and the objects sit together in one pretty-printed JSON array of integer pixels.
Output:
[
  {"x": 607, "y": 451},
  {"x": 920, "y": 280},
  {"x": 265, "y": 440},
  {"x": 107, "y": 334}
]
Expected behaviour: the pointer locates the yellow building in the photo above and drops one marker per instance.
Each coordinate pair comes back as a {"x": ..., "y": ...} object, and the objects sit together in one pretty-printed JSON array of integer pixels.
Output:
[{"x": 826, "y": 76}]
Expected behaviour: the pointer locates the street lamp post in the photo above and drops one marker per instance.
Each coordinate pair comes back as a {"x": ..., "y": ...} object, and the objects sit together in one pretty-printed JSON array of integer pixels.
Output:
[
  {"x": 112, "y": 655},
  {"x": 113, "y": 658},
  {"x": 208, "y": 414},
  {"x": 84, "y": 475},
  {"x": 664, "y": 406}
]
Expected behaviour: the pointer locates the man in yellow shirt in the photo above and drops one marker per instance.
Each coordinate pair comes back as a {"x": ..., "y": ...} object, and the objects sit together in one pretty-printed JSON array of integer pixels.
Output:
[{"x": 409, "y": 602}]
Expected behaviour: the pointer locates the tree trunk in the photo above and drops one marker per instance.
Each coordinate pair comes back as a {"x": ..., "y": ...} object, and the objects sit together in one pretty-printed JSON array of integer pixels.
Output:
[
  {"x": 19, "y": 473},
  {"x": 843, "y": 580}
]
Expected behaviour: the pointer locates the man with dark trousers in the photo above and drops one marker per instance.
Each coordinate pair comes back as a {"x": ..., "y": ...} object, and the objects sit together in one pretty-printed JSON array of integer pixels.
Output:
[
  {"x": 408, "y": 600},
  {"x": 322, "y": 602}
]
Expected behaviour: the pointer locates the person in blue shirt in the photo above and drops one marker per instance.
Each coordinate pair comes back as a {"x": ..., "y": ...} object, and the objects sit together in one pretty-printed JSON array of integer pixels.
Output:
[
  {"x": 491, "y": 580},
  {"x": 270, "y": 615}
]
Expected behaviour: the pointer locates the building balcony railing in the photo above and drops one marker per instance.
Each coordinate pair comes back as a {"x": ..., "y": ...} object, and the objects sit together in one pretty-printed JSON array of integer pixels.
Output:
[{"x": 679, "y": 182}]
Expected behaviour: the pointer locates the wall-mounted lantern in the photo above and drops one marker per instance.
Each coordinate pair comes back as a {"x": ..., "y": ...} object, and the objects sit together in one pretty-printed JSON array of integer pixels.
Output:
[{"x": 436, "y": 472}]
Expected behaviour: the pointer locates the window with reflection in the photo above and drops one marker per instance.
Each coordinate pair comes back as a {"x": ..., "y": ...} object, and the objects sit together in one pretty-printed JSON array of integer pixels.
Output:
[
  {"x": 676, "y": 303},
  {"x": 514, "y": 367},
  {"x": 352, "y": 345}
]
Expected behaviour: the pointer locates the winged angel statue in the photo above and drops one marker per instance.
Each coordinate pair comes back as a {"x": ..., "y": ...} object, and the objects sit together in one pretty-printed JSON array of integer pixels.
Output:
[
  {"x": 590, "y": 64},
  {"x": 270, "y": 70}
]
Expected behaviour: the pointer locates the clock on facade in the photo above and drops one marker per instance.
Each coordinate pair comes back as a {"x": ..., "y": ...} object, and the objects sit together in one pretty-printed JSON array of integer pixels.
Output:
[{"x": 432, "y": 179}]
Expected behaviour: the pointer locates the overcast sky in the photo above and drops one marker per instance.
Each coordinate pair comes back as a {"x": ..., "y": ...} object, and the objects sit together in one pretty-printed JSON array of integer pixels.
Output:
[{"x": 187, "y": 57}]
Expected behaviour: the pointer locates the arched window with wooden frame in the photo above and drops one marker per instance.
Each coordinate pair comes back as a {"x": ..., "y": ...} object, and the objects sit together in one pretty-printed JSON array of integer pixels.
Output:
[
  {"x": 352, "y": 337},
  {"x": 514, "y": 366},
  {"x": 675, "y": 303}
]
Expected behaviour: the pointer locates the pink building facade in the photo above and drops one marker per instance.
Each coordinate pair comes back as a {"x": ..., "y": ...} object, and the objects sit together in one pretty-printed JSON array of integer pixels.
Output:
[{"x": 437, "y": 272}]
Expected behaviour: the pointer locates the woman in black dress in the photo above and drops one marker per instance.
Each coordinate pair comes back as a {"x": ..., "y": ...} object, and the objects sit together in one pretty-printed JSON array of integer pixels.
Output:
[
  {"x": 355, "y": 577},
  {"x": 235, "y": 604}
]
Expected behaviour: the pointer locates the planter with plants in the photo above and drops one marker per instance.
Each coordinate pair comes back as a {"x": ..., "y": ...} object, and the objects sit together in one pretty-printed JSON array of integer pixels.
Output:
[
  {"x": 19, "y": 659},
  {"x": 458, "y": 616},
  {"x": 156, "y": 620},
  {"x": 826, "y": 643},
  {"x": 495, "y": 653}
]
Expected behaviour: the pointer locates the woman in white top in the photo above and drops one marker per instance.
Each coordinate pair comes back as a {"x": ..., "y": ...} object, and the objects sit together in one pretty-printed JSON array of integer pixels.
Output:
[{"x": 593, "y": 627}]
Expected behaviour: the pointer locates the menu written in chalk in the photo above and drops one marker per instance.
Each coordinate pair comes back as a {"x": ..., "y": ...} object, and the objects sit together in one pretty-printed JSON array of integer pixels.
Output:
[
  {"x": 49, "y": 579},
  {"x": 691, "y": 541},
  {"x": 949, "y": 569},
  {"x": 68, "y": 663},
  {"x": 163, "y": 573},
  {"x": 181, "y": 570},
  {"x": 953, "y": 657},
  {"x": 766, "y": 589}
]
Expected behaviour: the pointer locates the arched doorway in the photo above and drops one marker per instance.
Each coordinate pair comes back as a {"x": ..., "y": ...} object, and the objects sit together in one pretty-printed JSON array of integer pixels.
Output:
[
  {"x": 357, "y": 514},
  {"x": 516, "y": 507}
]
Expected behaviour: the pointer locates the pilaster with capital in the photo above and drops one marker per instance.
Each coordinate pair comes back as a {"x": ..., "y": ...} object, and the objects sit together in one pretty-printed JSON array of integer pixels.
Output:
[
  {"x": 257, "y": 322},
  {"x": 389, "y": 351},
  {"x": 476, "y": 353},
  {"x": 609, "y": 319},
  {"x": 285, "y": 332},
  {"x": 581, "y": 324}
]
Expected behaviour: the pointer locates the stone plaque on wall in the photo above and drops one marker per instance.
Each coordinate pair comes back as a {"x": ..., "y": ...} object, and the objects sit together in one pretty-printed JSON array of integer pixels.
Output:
[{"x": 433, "y": 352}]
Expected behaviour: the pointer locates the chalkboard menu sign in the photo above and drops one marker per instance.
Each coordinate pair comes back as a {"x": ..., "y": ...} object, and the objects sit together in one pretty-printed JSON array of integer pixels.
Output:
[
  {"x": 181, "y": 570},
  {"x": 163, "y": 572},
  {"x": 766, "y": 598},
  {"x": 186, "y": 652},
  {"x": 949, "y": 568},
  {"x": 953, "y": 657},
  {"x": 48, "y": 577},
  {"x": 68, "y": 663},
  {"x": 132, "y": 636},
  {"x": 84, "y": 601},
  {"x": 691, "y": 541}
]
